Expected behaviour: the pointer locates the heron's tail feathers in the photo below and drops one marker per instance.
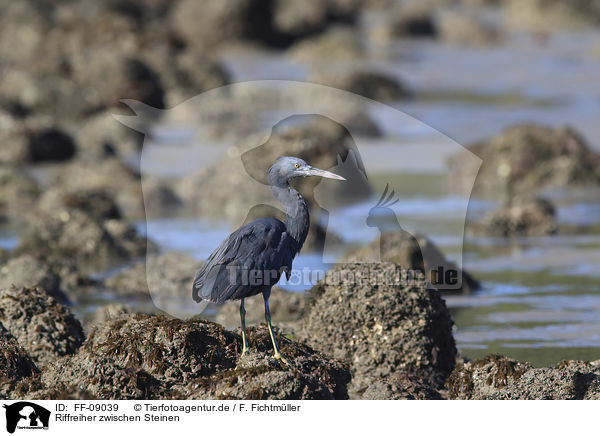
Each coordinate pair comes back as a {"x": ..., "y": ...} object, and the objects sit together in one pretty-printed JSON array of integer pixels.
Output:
[
  {"x": 206, "y": 285},
  {"x": 199, "y": 287}
]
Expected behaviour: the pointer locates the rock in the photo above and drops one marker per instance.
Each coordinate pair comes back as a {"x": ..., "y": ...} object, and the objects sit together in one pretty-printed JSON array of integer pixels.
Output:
[
  {"x": 90, "y": 376},
  {"x": 528, "y": 158},
  {"x": 20, "y": 28},
  {"x": 21, "y": 25},
  {"x": 207, "y": 24},
  {"x": 361, "y": 123},
  {"x": 18, "y": 192},
  {"x": 129, "y": 241},
  {"x": 231, "y": 115},
  {"x": 371, "y": 84},
  {"x": 481, "y": 3},
  {"x": 310, "y": 17},
  {"x": 399, "y": 386},
  {"x": 300, "y": 18},
  {"x": 168, "y": 348},
  {"x": 64, "y": 70},
  {"x": 101, "y": 136},
  {"x": 15, "y": 364},
  {"x": 187, "y": 73},
  {"x": 366, "y": 315},
  {"x": 200, "y": 73},
  {"x": 110, "y": 311},
  {"x": 95, "y": 202},
  {"x": 465, "y": 27},
  {"x": 142, "y": 356},
  {"x": 45, "y": 328},
  {"x": 400, "y": 247},
  {"x": 414, "y": 253},
  {"x": 144, "y": 12},
  {"x": 377, "y": 4},
  {"x": 25, "y": 90},
  {"x": 286, "y": 307},
  {"x": 346, "y": 9},
  {"x": 51, "y": 144},
  {"x": 75, "y": 284},
  {"x": 499, "y": 378},
  {"x": 105, "y": 77},
  {"x": 338, "y": 42},
  {"x": 160, "y": 197},
  {"x": 525, "y": 217},
  {"x": 27, "y": 271},
  {"x": 34, "y": 140},
  {"x": 259, "y": 376},
  {"x": 416, "y": 24},
  {"x": 406, "y": 21},
  {"x": 545, "y": 15},
  {"x": 277, "y": 23},
  {"x": 13, "y": 138},
  {"x": 110, "y": 175},
  {"x": 219, "y": 117},
  {"x": 171, "y": 275},
  {"x": 50, "y": 77},
  {"x": 66, "y": 234}
]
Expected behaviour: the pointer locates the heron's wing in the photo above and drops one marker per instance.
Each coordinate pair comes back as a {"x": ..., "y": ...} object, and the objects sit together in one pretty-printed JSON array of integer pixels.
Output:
[{"x": 251, "y": 258}]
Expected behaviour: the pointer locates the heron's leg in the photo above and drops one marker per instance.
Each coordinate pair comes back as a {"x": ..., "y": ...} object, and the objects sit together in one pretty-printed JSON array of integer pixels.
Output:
[
  {"x": 243, "y": 318},
  {"x": 277, "y": 353}
]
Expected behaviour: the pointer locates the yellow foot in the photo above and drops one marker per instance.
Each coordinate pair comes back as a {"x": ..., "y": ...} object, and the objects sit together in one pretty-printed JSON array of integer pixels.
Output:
[
  {"x": 283, "y": 360},
  {"x": 244, "y": 351}
]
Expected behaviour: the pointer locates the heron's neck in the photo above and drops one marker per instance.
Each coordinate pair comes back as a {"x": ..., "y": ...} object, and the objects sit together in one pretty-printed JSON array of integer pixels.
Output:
[{"x": 297, "y": 220}]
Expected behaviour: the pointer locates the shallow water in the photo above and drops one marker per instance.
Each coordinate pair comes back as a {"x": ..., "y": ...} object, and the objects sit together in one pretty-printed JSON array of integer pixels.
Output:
[
  {"x": 8, "y": 239},
  {"x": 470, "y": 93}
]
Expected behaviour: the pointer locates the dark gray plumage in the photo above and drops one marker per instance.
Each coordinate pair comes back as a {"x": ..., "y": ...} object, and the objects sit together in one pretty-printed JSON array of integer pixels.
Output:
[
  {"x": 251, "y": 260},
  {"x": 262, "y": 245}
]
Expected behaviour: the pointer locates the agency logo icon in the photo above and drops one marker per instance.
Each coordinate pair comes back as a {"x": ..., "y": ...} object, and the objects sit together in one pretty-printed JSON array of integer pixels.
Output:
[
  {"x": 254, "y": 124},
  {"x": 26, "y": 415}
]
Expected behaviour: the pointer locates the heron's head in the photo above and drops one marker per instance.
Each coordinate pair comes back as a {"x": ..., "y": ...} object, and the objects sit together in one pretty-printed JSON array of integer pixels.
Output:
[{"x": 287, "y": 168}]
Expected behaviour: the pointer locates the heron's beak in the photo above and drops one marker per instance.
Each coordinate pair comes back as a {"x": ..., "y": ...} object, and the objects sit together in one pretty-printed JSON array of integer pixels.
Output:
[{"x": 311, "y": 171}]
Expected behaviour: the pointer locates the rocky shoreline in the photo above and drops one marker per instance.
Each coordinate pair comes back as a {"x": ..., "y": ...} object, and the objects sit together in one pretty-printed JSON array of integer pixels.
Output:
[{"x": 46, "y": 355}]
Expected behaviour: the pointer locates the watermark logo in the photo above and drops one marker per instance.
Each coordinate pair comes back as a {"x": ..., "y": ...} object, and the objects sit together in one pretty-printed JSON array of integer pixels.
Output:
[
  {"x": 25, "y": 415},
  {"x": 219, "y": 162}
]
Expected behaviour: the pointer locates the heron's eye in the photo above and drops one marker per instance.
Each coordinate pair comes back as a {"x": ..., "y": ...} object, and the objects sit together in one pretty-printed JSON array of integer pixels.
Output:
[{"x": 296, "y": 165}]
